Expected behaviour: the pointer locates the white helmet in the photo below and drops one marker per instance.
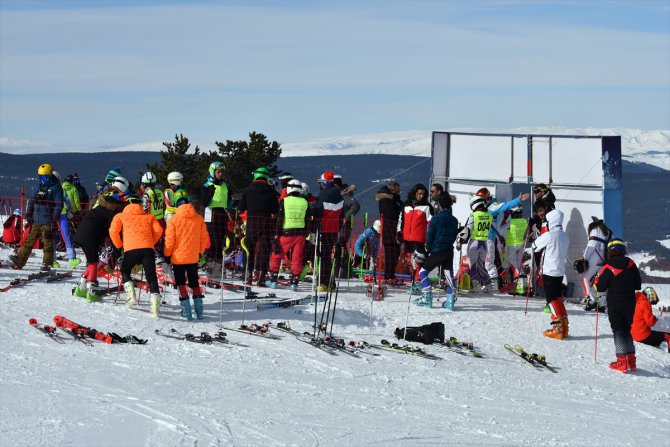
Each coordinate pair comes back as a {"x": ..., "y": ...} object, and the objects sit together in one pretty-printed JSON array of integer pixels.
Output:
[
  {"x": 56, "y": 174},
  {"x": 377, "y": 226},
  {"x": 120, "y": 183},
  {"x": 175, "y": 178},
  {"x": 294, "y": 186},
  {"x": 476, "y": 202},
  {"x": 305, "y": 188},
  {"x": 148, "y": 178}
]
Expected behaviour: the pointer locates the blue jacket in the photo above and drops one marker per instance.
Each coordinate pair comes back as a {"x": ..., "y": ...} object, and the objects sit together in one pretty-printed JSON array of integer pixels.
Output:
[
  {"x": 45, "y": 203},
  {"x": 442, "y": 232},
  {"x": 368, "y": 238},
  {"x": 495, "y": 209}
]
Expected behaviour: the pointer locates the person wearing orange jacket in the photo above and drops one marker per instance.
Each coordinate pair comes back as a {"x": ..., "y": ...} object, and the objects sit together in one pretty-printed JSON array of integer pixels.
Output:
[
  {"x": 186, "y": 238},
  {"x": 644, "y": 319},
  {"x": 141, "y": 232}
]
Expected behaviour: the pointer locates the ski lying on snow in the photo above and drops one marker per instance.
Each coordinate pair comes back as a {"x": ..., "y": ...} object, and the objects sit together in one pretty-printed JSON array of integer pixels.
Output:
[
  {"x": 524, "y": 356},
  {"x": 287, "y": 303},
  {"x": 49, "y": 331},
  {"x": 538, "y": 359},
  {"x": 58, "y": 276},
  {"x": 77, "y": 336},
  {"x": 406, "y": 349},
  {"x": 460, "y": 347},
  {"x": 304, "y": 337},
  {"x": 21, "y": 281},
  {"x": 218, "y": 337},
  {"x": 254, "y": 329}
]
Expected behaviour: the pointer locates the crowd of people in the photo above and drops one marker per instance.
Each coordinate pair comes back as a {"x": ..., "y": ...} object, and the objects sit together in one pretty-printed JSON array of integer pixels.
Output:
[{"x": 179, "y": 232}]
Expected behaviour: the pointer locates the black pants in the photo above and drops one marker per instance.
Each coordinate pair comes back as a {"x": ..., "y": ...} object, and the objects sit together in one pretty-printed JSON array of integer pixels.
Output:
[
  {"x": 655, "y": 339},
  {"x": 391, "y": 253},
  {"x": 181, "y": 271},
  {"x": 217, "y": 230},
  {"x": 258, "y": 244},
  {"x": 91, "y": 253},
  {"x": 553, "y": 287},
  {"x": 443, "y": 259},
  {"x": 146, "y": 257},
  {"x": 327, "y": 242}
]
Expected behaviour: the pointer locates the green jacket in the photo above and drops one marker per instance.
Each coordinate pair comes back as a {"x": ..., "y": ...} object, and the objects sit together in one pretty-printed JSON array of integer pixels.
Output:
[{"x": 72, "y": 194}]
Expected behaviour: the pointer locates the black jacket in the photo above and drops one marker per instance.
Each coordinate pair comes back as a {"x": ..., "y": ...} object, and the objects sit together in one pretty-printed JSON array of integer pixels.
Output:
[
  {"x": 390, "y": 207},
  {"x": 259, "y": 200},
  {"x": 620, "y": 278},
  {"x": 94, "y": 228}
]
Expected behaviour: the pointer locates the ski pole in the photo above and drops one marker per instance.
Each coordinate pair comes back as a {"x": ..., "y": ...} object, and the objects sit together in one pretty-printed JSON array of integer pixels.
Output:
[
  {"x": 409, "y": 302},
  {"x": 225, "y": 249},
  {"x": 337, "y": 289},
  {"x": 595, "y": 350},
  {"x": 329, "y": 296},
  {"x": 316, "y": 276},
  {"x": 246, "y": 275}
]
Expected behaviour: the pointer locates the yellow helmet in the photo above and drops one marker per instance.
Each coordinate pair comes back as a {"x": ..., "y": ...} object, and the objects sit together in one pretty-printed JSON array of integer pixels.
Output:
[{"x": 44, "y": 169}]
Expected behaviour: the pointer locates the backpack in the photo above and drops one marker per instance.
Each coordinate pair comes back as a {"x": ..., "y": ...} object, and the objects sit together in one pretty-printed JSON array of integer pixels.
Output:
[{"x": 426, "y": 334}]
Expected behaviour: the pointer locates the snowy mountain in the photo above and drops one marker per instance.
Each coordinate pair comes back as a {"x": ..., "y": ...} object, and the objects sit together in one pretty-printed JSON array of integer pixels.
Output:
[
  {"x": 639, "y": 146},
  {"x": 285, "y": 392}
]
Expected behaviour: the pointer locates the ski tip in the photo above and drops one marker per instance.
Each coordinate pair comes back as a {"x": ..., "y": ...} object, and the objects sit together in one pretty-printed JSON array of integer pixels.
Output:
[{"x": 32, "y": 321}]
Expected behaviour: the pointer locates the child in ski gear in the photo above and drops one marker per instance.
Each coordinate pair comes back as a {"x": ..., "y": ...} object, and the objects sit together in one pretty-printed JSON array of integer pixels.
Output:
[
  {"x": 11, "y": 233},
  {"x": 42, "y": 212},
  {"x": 90, "y": 236},
  {"x": 186, "y": 238},
  {"x": 367, "y": 245},
  {"x": 293, "y": 225},
  {"x": 555, "y": 244},
  {"x": 515, "y": 240},
  {"x": 390, "y": 207},
  {"x": 141, "y": 232},
  {"x": 215, "y": 198},
  {"x": 620, "y": 278},
  {"x": 475, "y": 233},
  {"x": 259, "y": 201},
  {"x": 175, "y": 180},
  {"x": 70, "y": 207},
  {"x": 644, "y": 319},
  {"x": 329, "y": 206},
  {"x": 594, "y": 255},
  {"x": 442, "y": 232}
]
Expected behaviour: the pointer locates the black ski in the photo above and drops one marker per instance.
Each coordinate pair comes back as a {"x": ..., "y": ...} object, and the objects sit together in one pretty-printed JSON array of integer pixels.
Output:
[
  {"x": 405, "y": 349},
  {"x": 219, "y": 337},
  {"x": 461, "y": 347},
  {"x": 77, "y": 336},
  {"x": 538, "y": 359},
  {"x": 49, "y": 331},
  {"x": 21, "y": 281},
  {"x": 58, "y": 276},
  {"x": 254, "y": 329}
]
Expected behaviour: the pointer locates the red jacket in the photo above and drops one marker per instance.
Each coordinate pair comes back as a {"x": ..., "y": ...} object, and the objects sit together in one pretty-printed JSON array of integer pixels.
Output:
[
  {"x": 414, "y": 221},
  {"x": 644, "y": 319}
]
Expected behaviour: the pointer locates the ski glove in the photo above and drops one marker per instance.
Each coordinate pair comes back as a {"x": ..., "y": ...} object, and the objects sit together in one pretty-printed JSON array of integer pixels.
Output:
[{"x": 167, "y": 259}]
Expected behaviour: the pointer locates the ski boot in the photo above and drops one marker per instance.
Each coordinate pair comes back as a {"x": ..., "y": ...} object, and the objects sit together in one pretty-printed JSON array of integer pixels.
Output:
[
  {"x": 621, "y": 363},
  {"x": 294, "y": 283},
  {"x": 547, "y": 309},
  {"x": 91, "y": 296},
  {"x": 155, "y": 304},
  {"x": 74, "y": 263},
  {"x": 559, "y": 331},
  {"x": 81, "y": 288},
  {"x": 186, "y": 308},
  {"x": 426, "y": 299},
  {"x": 197, "y": 304},
  {"x": 260, "y": 281},
  {"x": 16, "y": 263},
  {"x": 55, "y": 265},
  {"x": 272, "y": 282},
  {"x": 323, "y": 288},
  {"x": 129, "y": 288},
  {"x": 449, "y": 301},
  {"x": 631, "y": 362}
]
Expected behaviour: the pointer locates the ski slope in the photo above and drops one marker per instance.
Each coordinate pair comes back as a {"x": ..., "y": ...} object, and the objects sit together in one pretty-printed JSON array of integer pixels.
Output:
[{"x": 285, "y": 392}]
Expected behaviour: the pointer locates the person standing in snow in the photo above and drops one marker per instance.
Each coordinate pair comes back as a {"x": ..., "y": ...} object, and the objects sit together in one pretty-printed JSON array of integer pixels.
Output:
[
  {"x": 349, "y": 209},
  {"x": 475, "y": 233},
  {"x": 594, "y": 259},
  {"x": 174, "y": 180},
  {"x": 414, "y": 219},
  {"x": 620, "y": 278},
  {"x": 329, "y": 207},
  {"x": 215, "y": 198},
  {"x": 515, "y": 240},
  {"x": 42, "y": 213},
  {"x": 186, "y": 238},
  {"x": 555, "y": 244},
  {"x": 141, "y": 232},
  {"x": 390, "y": 207},
  {"x": 70, "y": 207},
  {"x": 83, "y": 195},
  {"x": 284, "y": 179}
]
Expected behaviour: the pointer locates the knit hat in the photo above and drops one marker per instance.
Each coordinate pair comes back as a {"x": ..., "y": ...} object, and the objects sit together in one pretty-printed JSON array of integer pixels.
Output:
[{"x": 111, "y": 175}]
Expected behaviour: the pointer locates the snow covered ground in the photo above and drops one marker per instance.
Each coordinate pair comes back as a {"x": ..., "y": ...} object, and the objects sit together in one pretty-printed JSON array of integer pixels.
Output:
[{"x": 284, "y": 392}]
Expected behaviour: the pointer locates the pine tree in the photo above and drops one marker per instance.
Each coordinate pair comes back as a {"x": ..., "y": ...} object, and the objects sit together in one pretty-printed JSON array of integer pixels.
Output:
[
  {"x": 193, "y": 166},
  {"x": 241, "y": 158}
]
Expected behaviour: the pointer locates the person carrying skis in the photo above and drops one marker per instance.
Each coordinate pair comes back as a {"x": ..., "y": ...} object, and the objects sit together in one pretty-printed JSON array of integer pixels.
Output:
[
  {"x": 367, "y": 246},
  {"x": 555, "y": 244},
  {"x": 329, "y": 207},
  {"x": 141, "y": 232},
  {"x": 440, "y": 238},
  {"x": 414, "y": 220},
  {"x": 90, "y": 236},
  {"x": 620, "y": 278},
  {"x": 215, "y": 198},
  {"x": 11, "y": 233},
  {"x": 593, "y": 260},
  {"x": 42, "y": 212},
  {"x": 175, "y": 180},
  {"x": 186, "y": 238},
  {"x": 390, "y": 207},
  {"x": 644, "y": 319},
  {"x": 475, "y": 233},
  {"x": 259, "y": 201},
  {"x": 293, "y": 225}
]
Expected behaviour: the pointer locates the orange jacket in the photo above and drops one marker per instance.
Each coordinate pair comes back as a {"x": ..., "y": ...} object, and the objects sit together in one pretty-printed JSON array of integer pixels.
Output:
[
  {"x": 139, "y": 230},
  {"x": 186, "y": 236},
  {"x": 643, "y": 319}
]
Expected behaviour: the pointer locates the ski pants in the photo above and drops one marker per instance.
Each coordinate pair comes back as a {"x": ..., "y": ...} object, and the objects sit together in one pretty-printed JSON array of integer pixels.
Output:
[
  {"x": 258, "y": 244},
  {"x": 553, "y": 290},
  {"x": 595, "y": 264},
  {"x": 515, "y": 257},
  {"x": 391, "y": 253},
  {"x": 477, "y": 258},
  {"x": 442, "y": 259},
  {"x": 327, "y": 242},
  {"x": 44, "y": 232},
  {"x": 92, "y": 258},
  {"x": 182, "y": 271},
  {"x": 217, "y": 230},
  {"x": 147, "y": 258},
  {"x": 297, "y": 243},
  {"x": 493, "y": 248},
  {"x": 64, "y": 232}
]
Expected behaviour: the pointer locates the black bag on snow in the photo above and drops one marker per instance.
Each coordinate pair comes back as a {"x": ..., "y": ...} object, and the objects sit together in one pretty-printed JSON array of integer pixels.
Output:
[{"x": 426, "y": 334}]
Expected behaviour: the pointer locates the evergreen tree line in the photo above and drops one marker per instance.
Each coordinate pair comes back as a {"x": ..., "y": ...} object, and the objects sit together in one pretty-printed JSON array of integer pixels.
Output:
[{"x": 240, "y": 158}]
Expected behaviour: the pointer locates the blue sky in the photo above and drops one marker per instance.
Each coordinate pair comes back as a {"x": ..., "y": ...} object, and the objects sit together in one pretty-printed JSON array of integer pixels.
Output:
[{"x": 102, "y": 73}]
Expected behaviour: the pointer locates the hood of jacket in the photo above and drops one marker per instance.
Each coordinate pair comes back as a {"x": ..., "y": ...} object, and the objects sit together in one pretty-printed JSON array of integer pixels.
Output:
[
  {"x": 384, "y": 193},
  {"x": 186, "y": 210},
  {"x": 133, "y": 208},
  {"x": 554, "y": 219}
]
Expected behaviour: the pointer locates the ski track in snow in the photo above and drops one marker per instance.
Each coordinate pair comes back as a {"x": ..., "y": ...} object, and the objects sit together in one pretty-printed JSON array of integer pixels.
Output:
[{"x": 284, "y": 392}]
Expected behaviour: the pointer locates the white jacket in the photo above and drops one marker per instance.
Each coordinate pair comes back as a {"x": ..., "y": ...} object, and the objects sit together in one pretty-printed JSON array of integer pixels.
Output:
[
  {"x": 595, "y": 249},
  {"x": 555, "y": 243}
]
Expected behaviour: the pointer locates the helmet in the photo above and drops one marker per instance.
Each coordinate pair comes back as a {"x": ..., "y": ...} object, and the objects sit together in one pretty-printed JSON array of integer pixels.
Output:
[
  {"x": 651, "y": 295},
  {"x": 17, "y": 212},
  {"x": 180, "y": 197},
  {"x": 132, "y": 198},
  {"x": 305, "y": 188},
  {"x": 326, "y": 177},
  {"x": 148, "y": 178},
  {"x": 175, "y": 178},
  {"x": 44, "y": 169},
  {"x": 617, "y": 244},
  {"x": 540, "y": 188},
  {"x": 377, "y": 226},
  {"x": 215, "y": 166},
  {"x": 476, "y": 202},
  {"x": 261, "y": 173},
  {"x": 483, "y": 192},
  {"x": 294, "y": 186},
  {"x": 285, "y": 177},
  {"x": 56, "y": 174},
  {"x": 111, "y": 175},
  {"x": 580, "y": 265},
  {"x": 120, "y": 183}
]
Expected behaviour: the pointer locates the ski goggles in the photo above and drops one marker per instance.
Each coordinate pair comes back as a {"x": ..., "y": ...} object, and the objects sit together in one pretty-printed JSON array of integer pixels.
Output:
[{"x": 44, "y": 178}]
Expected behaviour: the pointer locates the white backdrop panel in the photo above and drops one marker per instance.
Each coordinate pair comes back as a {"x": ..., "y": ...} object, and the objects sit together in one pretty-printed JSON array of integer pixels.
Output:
[
  {"x": 520, "y": 159},
  {"x": 486, "y": 157},
  {"x": 541, "y": 160},
  {"x": 577, "y": 161}
]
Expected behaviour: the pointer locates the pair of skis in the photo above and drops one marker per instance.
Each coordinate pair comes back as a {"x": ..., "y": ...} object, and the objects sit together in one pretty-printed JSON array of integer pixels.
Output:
[
  {"x": 81, "y": 333},
  {"x": 460, "y": 347},
  {"x": 17, "y": 282},
  {"x": 404, "y": 349},
  {"x": 203, "y": 338},
  {"x": 537, "y": 360}
]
